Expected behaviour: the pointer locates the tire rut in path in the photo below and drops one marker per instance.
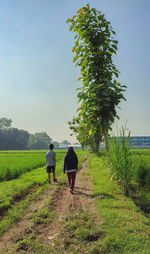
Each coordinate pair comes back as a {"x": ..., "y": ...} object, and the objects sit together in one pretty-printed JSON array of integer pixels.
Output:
[
  {"x": 64, "y": 202},
  {"x": 80, "y": 200}
]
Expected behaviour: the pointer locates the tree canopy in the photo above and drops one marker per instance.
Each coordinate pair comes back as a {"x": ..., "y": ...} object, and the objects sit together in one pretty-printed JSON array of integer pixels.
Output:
[
  {"x": 5, "y": 122},
  {"x": 16, "y": 139},
  {"x": 100, "y": 92},
  {"x": 39, "y": 140}
]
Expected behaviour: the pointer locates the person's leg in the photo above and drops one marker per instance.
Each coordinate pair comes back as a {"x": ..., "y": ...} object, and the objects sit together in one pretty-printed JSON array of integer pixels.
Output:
[
  {"x": 69, "y": 178},
  {"x": 73, "y": 177},
  {"x": 49, "y": 178},
  {"x": 49, "y": 171},
  {"x": 54, "y": 179}
]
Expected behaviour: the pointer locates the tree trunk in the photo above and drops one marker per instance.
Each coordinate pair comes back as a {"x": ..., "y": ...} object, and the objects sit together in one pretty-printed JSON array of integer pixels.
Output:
[
  {"x": 96, "y": 147},
  {"x": 106, "y": 142}
]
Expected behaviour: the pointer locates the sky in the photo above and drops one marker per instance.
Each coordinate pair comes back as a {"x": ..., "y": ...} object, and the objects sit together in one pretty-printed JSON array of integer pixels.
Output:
[{"x": 38, "y": 78}]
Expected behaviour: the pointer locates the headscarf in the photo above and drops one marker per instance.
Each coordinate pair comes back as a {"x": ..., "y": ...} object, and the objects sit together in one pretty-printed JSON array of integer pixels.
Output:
[{"x": 71, "y": 154}]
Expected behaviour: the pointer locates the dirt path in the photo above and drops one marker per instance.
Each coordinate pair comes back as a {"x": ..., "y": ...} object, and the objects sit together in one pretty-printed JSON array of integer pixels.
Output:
[{"x": 61, "y": 202}]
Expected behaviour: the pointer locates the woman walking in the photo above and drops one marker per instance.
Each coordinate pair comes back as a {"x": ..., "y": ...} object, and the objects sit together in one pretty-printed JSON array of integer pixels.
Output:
[{"x": 71, "y": 167}]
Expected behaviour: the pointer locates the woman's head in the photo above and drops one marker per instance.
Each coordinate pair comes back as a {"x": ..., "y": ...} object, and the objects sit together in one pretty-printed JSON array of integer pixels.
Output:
[{"x": 70, "y": 149}]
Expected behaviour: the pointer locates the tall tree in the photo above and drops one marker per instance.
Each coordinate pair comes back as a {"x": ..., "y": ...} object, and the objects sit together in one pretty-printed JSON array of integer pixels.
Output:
[
  {"x": 5, "y": 123},
  {"x": 100, "y": 93},
  {"x": 13, "y": 139},
  {"x": 39, "y": 140}
]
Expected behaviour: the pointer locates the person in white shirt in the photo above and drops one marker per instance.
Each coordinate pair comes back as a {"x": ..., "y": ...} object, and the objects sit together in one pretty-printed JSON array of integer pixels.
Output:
[{"x": 51, "y": 163}]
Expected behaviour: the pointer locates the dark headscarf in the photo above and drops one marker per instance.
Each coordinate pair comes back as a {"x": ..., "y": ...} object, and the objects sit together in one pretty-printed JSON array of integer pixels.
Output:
[{"x": 71, "y": 158}]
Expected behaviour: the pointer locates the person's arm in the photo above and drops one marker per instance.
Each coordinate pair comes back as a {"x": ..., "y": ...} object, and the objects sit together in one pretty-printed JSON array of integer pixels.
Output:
[
  {"x": 64, "y": 165},
  {"x": 55, "y": 161},
  {"x": 77, "y": 161}
]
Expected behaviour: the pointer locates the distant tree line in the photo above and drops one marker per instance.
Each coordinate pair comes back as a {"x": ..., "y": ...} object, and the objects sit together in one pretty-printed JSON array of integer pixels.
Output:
[{"x": 16, "y": 139}]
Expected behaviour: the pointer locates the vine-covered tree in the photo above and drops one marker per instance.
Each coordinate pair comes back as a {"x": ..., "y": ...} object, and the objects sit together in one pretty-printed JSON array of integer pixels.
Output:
[{"x": 100, "y": 93}]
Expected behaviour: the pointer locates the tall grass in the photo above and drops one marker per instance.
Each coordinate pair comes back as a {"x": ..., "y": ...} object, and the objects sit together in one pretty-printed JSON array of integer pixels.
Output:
[
  {"x": 142, "y": 169},
  {"x": 126, "y": 228},
  {"x": 120, "y": 159}
]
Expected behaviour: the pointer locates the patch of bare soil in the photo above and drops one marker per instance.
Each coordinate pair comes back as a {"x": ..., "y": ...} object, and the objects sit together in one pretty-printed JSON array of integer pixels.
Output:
[{"x": 63, "y": 201}]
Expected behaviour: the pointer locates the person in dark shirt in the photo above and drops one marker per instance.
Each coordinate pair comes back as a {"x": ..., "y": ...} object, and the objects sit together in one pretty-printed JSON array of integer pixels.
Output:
[{"x": 71, "y": 167}]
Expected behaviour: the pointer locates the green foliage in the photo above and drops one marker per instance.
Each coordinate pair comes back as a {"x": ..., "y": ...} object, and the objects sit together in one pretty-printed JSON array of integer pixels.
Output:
[
  {"x": 5, "y": 123},
  {"x": 141, "y": 166},
  {"x": 120, "y": 158},
  {"x": 56, "y": 144},
  {"x": 39, "y": 140},
  {"x": 125, "y": 226},
  {"x": 141, "y": 172},
  {"x": 100, "y": 93},
  {"x": 85, "y": 136},
  {"x": 147, "y": 180},
  {"x": 13, "y": 138}
]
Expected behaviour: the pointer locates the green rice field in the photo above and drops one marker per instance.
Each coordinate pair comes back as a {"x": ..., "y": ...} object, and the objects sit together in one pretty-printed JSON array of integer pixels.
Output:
[
  {"x": 22, "y": 170},
  {"x": 15, "y": 163}
]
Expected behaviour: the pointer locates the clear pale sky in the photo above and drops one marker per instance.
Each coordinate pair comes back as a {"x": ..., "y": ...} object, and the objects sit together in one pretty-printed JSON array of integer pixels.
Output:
[{"x": 38, "y": 80}]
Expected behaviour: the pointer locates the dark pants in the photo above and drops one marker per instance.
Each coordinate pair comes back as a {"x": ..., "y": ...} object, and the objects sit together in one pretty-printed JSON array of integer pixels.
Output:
[{"x": 71, "y": 179}]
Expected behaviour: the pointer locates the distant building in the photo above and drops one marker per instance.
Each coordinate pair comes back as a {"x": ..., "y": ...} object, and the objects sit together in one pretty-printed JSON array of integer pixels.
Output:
[
  {"x": 64, "y": 146},
  {"x": 140, "y": 141},
  {"x": 136, "y": 141}
]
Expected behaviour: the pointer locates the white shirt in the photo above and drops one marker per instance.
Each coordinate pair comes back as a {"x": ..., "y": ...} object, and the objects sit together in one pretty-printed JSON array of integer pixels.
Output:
[{"x": 51, "y": 155}]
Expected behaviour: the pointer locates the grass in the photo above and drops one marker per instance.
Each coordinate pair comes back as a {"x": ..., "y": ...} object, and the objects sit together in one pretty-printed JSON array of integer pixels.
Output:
[
  {"x": 32, "y": 245},
  {"x": 17, "y": 188},
  {"x": 16, "y": 212},
  {"x": 81, "y": 233},
  {"x": 126, "y": 228},
  {"x": 46, "y": 214},
  {"x": 120, "y": 160},
  {"x": 12, "y": 192},
  {"x": 15, "y": 164}
]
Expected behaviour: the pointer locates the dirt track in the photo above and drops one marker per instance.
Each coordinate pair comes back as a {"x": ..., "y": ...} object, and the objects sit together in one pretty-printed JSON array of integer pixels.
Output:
[{"x": 62, "y": 201}]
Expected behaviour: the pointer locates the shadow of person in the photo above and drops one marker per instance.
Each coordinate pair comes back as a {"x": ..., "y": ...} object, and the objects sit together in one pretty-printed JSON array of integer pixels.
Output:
[
  {"x": 81, "y": 193},
  {"x": 94, "y": 195},
  {"x": 82, "y": 188}
]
